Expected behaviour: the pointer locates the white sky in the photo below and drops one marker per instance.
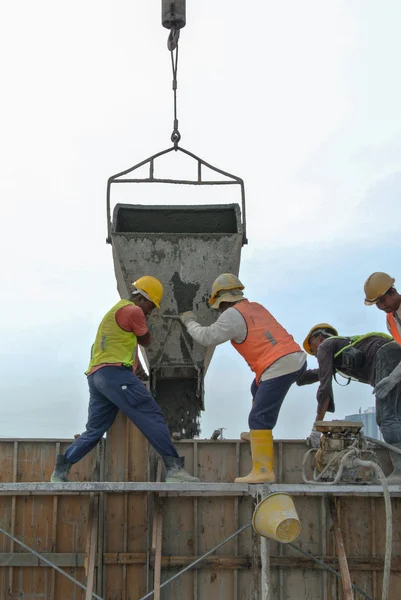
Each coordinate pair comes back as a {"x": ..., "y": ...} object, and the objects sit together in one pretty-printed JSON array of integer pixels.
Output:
[{"x": 301, "y": 99}]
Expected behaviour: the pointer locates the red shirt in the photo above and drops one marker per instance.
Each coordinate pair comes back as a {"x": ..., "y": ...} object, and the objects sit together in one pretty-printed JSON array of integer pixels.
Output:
[{"x": 130, "y": 318}]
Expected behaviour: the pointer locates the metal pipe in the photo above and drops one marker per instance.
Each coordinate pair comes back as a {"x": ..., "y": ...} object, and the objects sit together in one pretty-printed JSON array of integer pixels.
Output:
[
  {"x": 389, "y": 528},
  {"x": 47, "y": 562},
  {"x": 191, "y": 566}
]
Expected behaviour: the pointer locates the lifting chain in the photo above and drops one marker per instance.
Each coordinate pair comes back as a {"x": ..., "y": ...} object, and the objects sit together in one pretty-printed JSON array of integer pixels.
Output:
[
  {"x": 175, "y": 136},
  {"x": 174, "y": 18}
]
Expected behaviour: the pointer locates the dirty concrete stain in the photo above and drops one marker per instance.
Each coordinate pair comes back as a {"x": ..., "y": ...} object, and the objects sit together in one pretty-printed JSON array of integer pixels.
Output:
[{"x": 184, "y": 293}]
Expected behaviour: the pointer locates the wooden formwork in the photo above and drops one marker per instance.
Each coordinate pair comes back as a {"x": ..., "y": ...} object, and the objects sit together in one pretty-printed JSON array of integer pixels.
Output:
[{"x": 142, "y": 536}]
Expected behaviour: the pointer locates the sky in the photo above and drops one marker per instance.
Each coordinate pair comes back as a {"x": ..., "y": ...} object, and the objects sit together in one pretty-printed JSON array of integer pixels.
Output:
[{"x": 302, "y": 100}]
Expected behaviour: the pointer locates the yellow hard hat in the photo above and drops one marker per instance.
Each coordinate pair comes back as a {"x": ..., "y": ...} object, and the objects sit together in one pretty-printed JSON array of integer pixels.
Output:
[
  {"x": 376, "y": 285},
  {"x": 324, "y": 327},
  {"x": 224, "y": 282},
  {"x": 149, "y": 287}
]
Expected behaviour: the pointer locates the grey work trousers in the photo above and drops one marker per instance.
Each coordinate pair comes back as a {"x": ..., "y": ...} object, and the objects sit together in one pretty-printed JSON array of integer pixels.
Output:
[{"x": 388, "y": 410}]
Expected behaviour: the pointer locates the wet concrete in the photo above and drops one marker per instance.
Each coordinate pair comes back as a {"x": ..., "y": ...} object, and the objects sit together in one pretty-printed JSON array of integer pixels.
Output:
[{"x": 136, "y": 218}]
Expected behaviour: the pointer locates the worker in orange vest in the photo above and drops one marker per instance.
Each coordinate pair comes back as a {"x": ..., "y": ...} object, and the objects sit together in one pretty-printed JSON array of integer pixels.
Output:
[
  {"x": 380, "y": 290},
  {"x": 271, "y": 353}
]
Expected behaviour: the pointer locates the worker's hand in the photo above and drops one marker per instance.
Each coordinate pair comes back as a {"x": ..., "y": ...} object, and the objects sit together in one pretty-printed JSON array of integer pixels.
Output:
[
  {"x": 313, "y": 440},
  {"x": 187, "y": 316},
  {"x": 385, "y": 385}
]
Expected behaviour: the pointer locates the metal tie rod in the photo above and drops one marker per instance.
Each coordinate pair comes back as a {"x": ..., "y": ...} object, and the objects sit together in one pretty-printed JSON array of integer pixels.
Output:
[
  {"x": 198, "y": 560},
  {"x": 53, "y": 566}
]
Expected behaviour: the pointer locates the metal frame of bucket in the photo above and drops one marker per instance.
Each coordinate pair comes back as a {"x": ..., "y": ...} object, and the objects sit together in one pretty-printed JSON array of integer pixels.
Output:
[
  {"x": 120, "y": 178},
  {"x": 275, "y": 517},
  {"x": 176, "y": 368}
]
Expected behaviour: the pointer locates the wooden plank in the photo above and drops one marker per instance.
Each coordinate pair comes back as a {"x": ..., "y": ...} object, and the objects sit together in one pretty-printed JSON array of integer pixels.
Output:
[
  {"x": 74, "y": 488},
  {"x": 256, "y": 564},
  {"x": 13, "y": 512},
  {"x": 157, "y": 537},
  {"x": 373, "y": 542},
  {"x": 195, "y": 521},
  {"x": 265, "y": 571},
  {"x": 342, "y": 557},
  {"x": 88, "y": 532},
  {"x": 54, "y": 535},
  {"x": 158, "y": 551},
  {"x": 90, "y": 572},
  {"x": 68, "y": 560}
]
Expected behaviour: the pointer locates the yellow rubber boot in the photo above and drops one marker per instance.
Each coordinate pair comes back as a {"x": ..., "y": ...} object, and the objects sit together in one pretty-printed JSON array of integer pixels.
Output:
[{"x": 262, "y": 458}]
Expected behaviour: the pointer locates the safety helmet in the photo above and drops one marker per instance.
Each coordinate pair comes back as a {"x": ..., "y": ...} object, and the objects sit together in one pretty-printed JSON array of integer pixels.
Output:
[
  {"x": 319, "y": 328},
  {"x": 149, "y": 287},
  {"x": 223, "y": 283},
  {"x": 376, "y": 285}
]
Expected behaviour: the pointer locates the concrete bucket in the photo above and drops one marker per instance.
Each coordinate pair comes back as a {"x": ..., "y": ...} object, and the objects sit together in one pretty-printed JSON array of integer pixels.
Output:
[{"x": 186, "y": 247}]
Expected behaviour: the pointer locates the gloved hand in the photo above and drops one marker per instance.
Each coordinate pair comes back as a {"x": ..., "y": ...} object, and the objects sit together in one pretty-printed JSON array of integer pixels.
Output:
[
  {"x": 385, "y": 385},
  {"x": 313, "y": 441},
  {"x": 187, "y": 316}
]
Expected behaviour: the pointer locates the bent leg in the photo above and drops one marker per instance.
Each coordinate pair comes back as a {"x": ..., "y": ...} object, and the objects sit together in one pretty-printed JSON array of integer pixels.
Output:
[
  {"x": 129, "y": 394},
  {"x": 101, "y": 414},
  {"x": 268, "y": 400}
]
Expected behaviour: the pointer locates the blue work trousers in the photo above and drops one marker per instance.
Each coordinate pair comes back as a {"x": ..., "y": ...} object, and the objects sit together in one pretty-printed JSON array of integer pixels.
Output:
[
  {"x": 268, "y": 398},
  {"x": 114, "y": 388}
]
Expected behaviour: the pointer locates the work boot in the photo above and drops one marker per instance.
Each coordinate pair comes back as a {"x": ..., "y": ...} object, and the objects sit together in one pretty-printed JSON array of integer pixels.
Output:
[
  {"x": 262, "y": 458},
  {"x": 395, "y": 477},
  {"x": 175, "y": 472},
  {"x": 61, "y": 469},
  {"x": 245, "y": 436}
]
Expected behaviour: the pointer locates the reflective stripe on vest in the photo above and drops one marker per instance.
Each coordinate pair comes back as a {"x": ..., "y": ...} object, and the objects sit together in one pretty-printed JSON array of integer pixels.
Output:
[
  {"x": 113, "y": 344},
  {"x": 395, "y": 332},
  {"x": 266, "y": 339}
]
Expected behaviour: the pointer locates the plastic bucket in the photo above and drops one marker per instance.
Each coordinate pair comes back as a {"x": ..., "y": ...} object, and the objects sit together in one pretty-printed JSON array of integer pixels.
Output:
[{"x": 276, "y": 518}]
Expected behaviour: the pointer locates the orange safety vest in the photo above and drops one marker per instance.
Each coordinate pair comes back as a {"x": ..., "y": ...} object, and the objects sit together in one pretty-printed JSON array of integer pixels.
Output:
[
  {"x": 266, "y": 339},
  {"x": 395, "y": 332}
]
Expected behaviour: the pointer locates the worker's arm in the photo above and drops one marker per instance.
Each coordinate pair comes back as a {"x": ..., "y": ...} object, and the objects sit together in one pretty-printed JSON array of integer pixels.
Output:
[
  {"x": 132, "y": 318},
  {"x": 144, "y": 340},
  {"x": 385, "y": 385},
  {"x": 308, "y": 377},
  {"x": 325, "y": 397},
  {"x": 229, "y": 326},
  {"x": 322, "y": 409},
  {"x": 140, "y": 371}
]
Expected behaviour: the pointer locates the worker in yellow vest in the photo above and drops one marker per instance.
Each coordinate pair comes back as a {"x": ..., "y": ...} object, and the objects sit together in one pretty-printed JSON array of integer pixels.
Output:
[
  {"x": 380, "y": 290},
  {"x": 114, "y": 385},
  {"x": 271, "y": 353},
  {"x": 372, "y": 358}
]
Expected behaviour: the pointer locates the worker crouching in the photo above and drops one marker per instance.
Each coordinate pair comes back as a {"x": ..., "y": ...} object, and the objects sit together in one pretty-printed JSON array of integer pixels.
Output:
[
  {"x": 114, "y": 384},
  {"x": 372, "y": 358},
  {"x": 272, "y": 354}
]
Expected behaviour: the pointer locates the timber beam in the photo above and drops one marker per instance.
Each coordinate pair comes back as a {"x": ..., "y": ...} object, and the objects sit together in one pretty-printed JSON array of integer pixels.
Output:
[{"x": 192, "y": 489}]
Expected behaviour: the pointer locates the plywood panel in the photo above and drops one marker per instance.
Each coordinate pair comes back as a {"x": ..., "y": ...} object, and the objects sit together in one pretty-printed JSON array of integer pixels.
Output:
[
  {"x": 191, "y": 526},
  {"x": 126, "y": 523}
]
